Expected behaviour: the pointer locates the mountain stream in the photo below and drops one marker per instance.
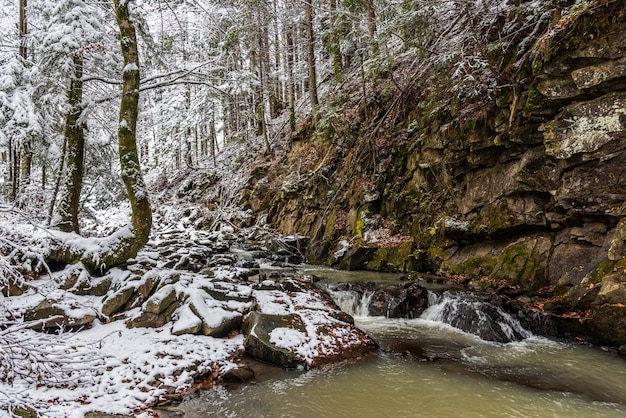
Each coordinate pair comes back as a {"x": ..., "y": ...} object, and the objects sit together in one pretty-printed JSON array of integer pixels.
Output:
[{"x": 428, "y": 368}]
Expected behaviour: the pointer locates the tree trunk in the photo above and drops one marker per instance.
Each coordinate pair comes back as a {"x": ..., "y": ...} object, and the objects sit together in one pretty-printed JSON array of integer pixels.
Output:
[
  {"x": 141, "y": 218},
  {"x": 26, "y": 151},
  {"x": 12, "y": 173},
  {"x": 23, "y": 29},
  {"x": 334, "y": 48},
  {"x": 75, "y": 140},
  {"x": 213, "y": 138},
  {"x": 18, "y": 169},
  {"x": 291, "y": 95},
  {"x": 371, "y": 25},
  {"x": 57, "y": 183},
  {"x": 104, "y": 253},
  {"x": 308, "y": 9}
]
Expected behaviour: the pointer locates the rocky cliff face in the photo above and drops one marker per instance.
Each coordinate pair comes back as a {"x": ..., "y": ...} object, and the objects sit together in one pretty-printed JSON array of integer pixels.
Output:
[{"x": 521, "y": 188}]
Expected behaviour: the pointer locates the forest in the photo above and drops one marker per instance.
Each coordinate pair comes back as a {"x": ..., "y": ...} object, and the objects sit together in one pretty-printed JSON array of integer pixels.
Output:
[{"x": 187, "y": 187}]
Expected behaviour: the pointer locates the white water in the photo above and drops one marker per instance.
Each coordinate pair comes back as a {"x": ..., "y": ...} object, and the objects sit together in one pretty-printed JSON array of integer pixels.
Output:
[{"x": 459, "y": 310}]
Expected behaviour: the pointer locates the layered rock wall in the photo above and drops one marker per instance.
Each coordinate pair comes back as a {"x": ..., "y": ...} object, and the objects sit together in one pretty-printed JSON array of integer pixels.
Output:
[{"x": 526, "y": 187}]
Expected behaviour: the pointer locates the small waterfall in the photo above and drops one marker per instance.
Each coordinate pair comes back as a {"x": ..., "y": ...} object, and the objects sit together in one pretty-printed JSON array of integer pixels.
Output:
[
  {"x": 463, "y": 310},
  {"x": 361, "y": 308},
  {"x": 350, "y": 301},
  {"x": 469, "y": 313}
]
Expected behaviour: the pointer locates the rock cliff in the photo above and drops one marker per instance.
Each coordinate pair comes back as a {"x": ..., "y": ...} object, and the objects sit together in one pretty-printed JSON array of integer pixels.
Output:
[{"x": 519, "y": 186}]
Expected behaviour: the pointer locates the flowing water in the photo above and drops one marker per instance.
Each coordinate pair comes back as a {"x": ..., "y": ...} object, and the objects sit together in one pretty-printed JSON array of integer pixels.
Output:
[{"x": 428, "y": 368}]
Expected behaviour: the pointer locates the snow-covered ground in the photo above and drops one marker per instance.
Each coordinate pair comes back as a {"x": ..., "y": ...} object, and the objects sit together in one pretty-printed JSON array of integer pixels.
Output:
[{"x": 106, "y": 367}]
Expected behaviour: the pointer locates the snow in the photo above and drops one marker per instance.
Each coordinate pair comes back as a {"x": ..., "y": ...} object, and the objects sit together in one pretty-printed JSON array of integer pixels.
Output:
[
  {"x": 288, "y": 338},
  {"x": 186, "y": 319},
  {"x": 114, "y": 369},
  {"x": 131, "y": 66},
  {"x": 345, "y": 246}
]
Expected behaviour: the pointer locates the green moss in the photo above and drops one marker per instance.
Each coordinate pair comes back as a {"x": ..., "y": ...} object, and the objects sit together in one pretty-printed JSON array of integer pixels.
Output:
[
  {"x": 493, "y": 218},
  {"x": 519, "y": 264},
  {"x": 604, "y": 268},
  {"x": 474, "y": 266},
  {"x": 534, "y": 102},
  {"x": 391, "y": 258},
  {"x": 22, "y": 413}
]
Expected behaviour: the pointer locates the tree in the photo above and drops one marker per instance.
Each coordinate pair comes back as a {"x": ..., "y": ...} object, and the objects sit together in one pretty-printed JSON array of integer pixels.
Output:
[
  {"x": 141, "y": 217},
  {"x": 75, "y": 143},
  {"x": 127, "y": 241},
  {"x": 308, "y": 22},
  {"x": 27, "y": 152}
]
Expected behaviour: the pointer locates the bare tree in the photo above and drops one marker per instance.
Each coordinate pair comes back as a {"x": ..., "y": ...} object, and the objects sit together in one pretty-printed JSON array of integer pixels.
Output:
[{"x": 308, "y": 11}]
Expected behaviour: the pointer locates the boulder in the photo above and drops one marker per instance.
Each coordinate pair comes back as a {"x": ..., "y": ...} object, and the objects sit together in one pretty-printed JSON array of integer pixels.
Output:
[
  {"x": 115, "y": 302},
  {"x": 258, "y": 343},
  {"x": 613, "y": 289},
  {"x": 238, "y": 374},
  {"x": 393, "y": 301},
  {"x": 357, "y": 257},
  {"x": 186, "y": 322},
  {"x": 144, "y": 290},
  {"x": 609, "y": 324},
  {"x": 216, "y": 320},
  {"x": 525, "y": 262},
  {"x": 160, "y": 300},
  {"x": 66, "y": 315}
]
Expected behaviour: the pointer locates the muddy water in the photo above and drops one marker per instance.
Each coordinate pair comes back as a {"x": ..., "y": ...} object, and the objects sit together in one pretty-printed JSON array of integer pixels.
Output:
[{"x": 426, "y": 369}]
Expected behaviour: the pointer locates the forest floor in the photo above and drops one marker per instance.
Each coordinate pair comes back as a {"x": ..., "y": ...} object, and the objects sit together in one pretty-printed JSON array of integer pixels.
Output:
[{"x": 104, "y": 366}]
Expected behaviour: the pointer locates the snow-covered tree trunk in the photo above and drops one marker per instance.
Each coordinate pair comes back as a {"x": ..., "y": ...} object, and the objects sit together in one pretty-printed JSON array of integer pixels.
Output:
[
  {"x": 129, "y": 108},
  {"x": 75, "y": 140}
]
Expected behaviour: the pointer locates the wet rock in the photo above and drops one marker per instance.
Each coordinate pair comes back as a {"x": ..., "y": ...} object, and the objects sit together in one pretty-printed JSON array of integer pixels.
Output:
[
  {"x": 103, "y": 415},
  {"x": 622, "y": 350},
  {"x": 257, "y": 329},
  {"x": 609, "y": 324},
  {"x": 238, "y": 374},
  {"x": 357, "y": 258},
  {"x": 399, "y": 301},
  {"x": 65, "y": 314},
  {"x": 476, "y": 314}
]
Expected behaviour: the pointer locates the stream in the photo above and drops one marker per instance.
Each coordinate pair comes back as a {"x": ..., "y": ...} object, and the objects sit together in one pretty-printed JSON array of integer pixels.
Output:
[{"x": 427, "y": 368}]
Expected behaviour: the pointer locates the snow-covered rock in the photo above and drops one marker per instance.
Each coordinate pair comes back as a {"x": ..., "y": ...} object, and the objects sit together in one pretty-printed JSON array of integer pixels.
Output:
[{"x": 296, "y": 325}]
